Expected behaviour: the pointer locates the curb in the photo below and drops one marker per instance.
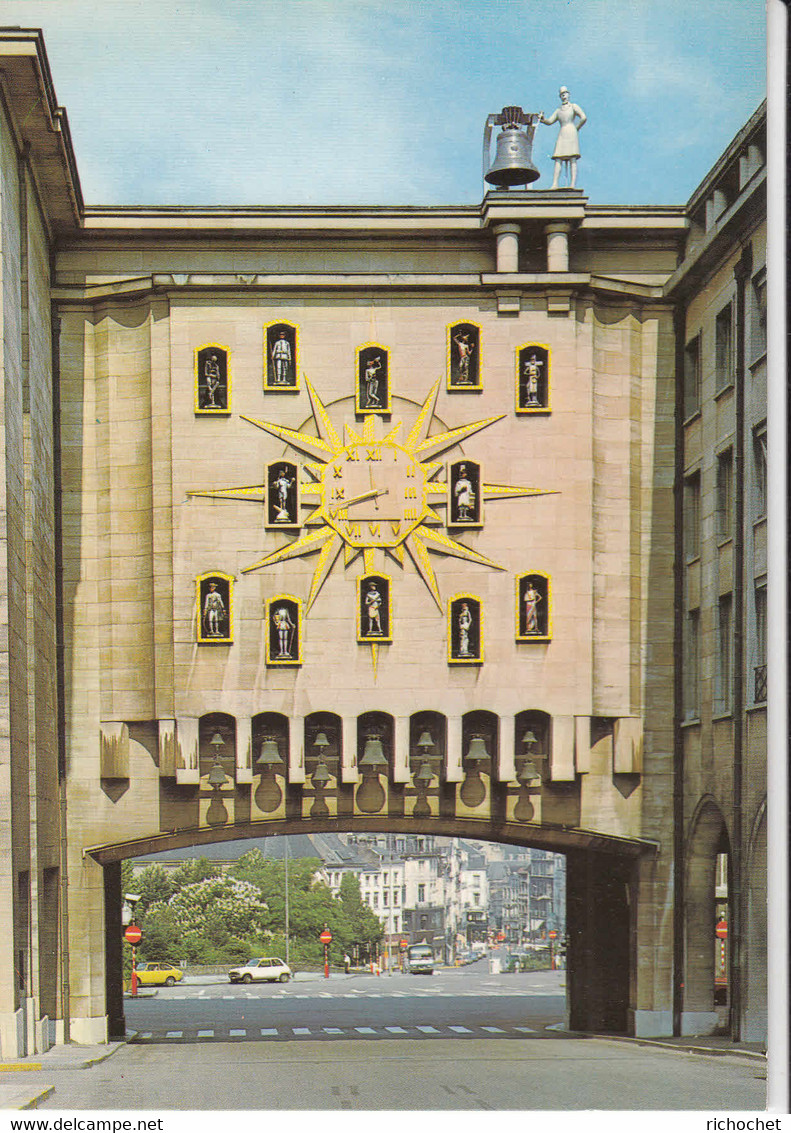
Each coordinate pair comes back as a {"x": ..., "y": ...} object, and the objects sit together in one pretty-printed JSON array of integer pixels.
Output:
[
  {"x": 27, "y": 1100},
  {"x": 759, "y": 1056}
]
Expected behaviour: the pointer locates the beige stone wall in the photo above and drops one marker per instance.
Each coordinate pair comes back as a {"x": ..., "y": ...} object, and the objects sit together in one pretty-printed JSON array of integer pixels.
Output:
[{"x": 29, "y": 825}]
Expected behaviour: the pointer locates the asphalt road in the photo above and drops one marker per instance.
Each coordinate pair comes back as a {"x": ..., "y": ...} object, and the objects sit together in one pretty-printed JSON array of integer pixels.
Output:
[{"x": 453, "y": 1003}]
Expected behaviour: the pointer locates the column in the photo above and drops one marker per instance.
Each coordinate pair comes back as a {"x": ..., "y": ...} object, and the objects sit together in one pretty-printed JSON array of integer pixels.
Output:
[
  {"x": 558, "y": 246},
  {"x": 187, "y": 750},
  {"x": 454, "y": 773},
  {"x": 401, "y": 749},
  {"x": 349, "y": 772},
  {"x": 506, "y": 764},
  {"x": 296, "y": 749},
  {"x": 507, "y": 247},
  {"x": 244, "y": 750}
]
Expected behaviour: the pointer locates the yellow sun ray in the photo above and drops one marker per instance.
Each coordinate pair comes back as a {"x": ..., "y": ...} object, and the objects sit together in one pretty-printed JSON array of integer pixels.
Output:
[
  {"x": 313, "y": 446},
  {"x": 511, "y": 492},
  {"x": 369, "y": 429},
  {"x": 419, "y": 556},
  {"x": 433, "y": 446},
  {"x": 368, "y": 560},
  {"x": 327, "y": 556},
  {"x": 456, "y": 550},
  {"x": 397, "y": 553},
  {"x": 327, "y": 430},
  {"x": 243, "y": 492},
  {"x": 421, "y": 426},
  {"x": 302, "y": 546}
]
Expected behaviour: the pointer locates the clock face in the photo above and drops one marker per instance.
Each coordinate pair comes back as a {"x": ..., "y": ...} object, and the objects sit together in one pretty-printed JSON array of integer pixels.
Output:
[{"x": 373, "y": 494}]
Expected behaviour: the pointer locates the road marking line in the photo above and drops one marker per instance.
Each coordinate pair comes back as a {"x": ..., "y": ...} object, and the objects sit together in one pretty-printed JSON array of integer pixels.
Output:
[
  {"x": 230, "y": 997},
  {"x": 461, "y": 1030},
  {"x": 526, "y": 1030},
  {"x": 365, "y": 1030},
  {"x": 332, "y": 1030},
  {"x": 174, "y": 1035},
  {"x": 300, "y": 1030},
  {"x": 495, "y": 1030},
  {"x": 396, "y": 1030},
  {"x": 147, "y": 1035},
  {"x": 205, "y": 1034},
  {"x": 236, "y": 1034},
  {"x": 269, "y": 1030},
  {"x": 326, "y": 995},
  {"x": 428, "y": 1030}
]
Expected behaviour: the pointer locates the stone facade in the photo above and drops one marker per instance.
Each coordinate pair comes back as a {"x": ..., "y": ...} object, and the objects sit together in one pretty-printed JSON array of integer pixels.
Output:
[{"x": 164, "y": 728}]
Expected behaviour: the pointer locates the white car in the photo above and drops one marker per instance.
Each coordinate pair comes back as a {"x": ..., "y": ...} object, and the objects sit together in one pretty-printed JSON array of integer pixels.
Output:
[{"x": 267, "y": 968}]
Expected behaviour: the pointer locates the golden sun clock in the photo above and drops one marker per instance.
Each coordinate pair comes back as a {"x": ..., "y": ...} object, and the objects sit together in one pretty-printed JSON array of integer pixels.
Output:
[{"x": 366, "y": 489}]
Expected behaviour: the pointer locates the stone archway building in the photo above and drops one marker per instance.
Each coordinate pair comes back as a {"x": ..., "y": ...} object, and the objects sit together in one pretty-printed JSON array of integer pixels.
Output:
[{"x": 181, "y": 661}]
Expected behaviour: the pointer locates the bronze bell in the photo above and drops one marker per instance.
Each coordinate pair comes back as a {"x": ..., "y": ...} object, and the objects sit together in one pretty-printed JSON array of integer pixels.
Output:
[{"x": 513, "y": 162}]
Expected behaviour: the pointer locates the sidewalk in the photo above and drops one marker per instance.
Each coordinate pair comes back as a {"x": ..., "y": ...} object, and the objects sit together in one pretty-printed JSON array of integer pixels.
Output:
[{"x": 21, "y": 1085}]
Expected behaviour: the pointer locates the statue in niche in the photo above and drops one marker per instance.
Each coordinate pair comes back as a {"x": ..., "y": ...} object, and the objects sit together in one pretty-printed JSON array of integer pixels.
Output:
[
  {"x": 464, "y": 629},
  {"x": 284, "y": 628},
  {"x": 373, "y": 379},
  {"x": 567, "y": 147},
  {"x": 532, "y": 375},
  {"x": 463, "y": 344},
  {"x": 282, "y": 486},
  {"x": 282, "y": 359},
  {"x": 213, "y": 612},
  {"x": 465, "y": 625},
  {"x": 211, "y": 375},
  {"x": 531, "y": 600},
  {"x": 373, "y": 609},
  {"x": 373, "y": 597},
  {"x": 464, "y": 503},
  {"x": 372, "y": 368},
  {"x": 464, "y": 349}
]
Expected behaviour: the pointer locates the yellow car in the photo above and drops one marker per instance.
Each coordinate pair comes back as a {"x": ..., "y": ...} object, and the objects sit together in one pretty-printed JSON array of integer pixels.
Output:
[{"x": 153, "y": 972}]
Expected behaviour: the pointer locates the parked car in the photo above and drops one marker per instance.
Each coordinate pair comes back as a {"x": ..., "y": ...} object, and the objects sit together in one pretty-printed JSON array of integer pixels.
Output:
[
  {"x": 271, "y": 969},
  {"x": 157, "y": 972}
]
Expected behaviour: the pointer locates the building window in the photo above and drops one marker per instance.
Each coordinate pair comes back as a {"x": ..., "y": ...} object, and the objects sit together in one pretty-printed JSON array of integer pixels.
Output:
[
  {"x": 395, "y": 896},
  {"x": 692, "y": 377},
  {"x": 692, "y": 516},
  {"x": 758, "y": 325},
  {"x": 385, "y": 879},
  {"x": 723, "y": 335},
  {"x": 759, "y": 692},
  {"x": 724, "y": 670},
  {"x": 421, "y": 893},
  {"x": 691, "y": 668},
  {"x": 385, "y": 898},
  {"x": 725, "y": 494},
  {"x": 376, "y": 901},
  {"x": 759, "y": 469},
  {"x": 476, "y": 898}
]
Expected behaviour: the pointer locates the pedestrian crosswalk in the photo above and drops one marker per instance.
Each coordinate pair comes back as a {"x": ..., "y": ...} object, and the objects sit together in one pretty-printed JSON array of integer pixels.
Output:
[
  {"x": 418, "y": 1030},
  {"x": 289, "y": 993}
]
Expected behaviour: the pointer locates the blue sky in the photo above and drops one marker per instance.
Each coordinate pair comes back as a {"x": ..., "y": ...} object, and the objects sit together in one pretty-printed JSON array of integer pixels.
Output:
[{"x": 384, "y": 101}]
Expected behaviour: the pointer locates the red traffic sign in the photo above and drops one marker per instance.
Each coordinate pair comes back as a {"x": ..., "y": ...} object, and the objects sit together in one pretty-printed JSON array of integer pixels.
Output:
[
  {"x": 404, "y": 943},
  {"x": 132, "y": 934},
  {"x": 722, "y": 930},
  {"x": 326, "y": 936},
  {"x": 552, "y": 934}
]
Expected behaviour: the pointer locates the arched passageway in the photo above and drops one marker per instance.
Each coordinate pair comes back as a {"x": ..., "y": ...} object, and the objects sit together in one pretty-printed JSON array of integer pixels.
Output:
[{"x": 601, "y": 880}]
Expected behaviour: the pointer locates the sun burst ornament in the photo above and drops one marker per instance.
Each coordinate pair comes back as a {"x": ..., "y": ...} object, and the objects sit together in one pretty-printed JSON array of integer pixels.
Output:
[{"x": 372, "y": 491}]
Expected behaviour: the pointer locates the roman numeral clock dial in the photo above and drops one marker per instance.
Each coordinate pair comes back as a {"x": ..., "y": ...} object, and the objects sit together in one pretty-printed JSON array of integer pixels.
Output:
[{"x": 365, "y": 492}]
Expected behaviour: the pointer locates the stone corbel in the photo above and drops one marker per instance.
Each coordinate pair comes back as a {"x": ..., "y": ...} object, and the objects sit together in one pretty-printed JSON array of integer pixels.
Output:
[
  {"x": 114, "y": 750},
  {"x": 561, "y": 756},
  {"x": 244, "y": 750},
  {"x": 627, "y": 757}
]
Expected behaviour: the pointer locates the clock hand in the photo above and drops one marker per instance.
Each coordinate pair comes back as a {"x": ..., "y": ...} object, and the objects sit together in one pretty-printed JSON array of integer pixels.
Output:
[{"x": 343, "y": 504}]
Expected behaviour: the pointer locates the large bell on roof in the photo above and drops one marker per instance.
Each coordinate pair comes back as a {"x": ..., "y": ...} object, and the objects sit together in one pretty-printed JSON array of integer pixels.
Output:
[{"x": 513, "y": 161}]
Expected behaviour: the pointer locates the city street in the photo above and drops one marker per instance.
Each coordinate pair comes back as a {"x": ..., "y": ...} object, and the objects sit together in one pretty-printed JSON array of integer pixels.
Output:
[
  {"x": 395, "y": 1042},
  {"x": 453, "y": 1003}
]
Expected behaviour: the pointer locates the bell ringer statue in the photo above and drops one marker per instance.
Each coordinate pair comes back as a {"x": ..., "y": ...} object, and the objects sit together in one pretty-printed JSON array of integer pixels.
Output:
[
  {"x": 513, "y": 160},
  {"x": 567, "y": 147}
]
